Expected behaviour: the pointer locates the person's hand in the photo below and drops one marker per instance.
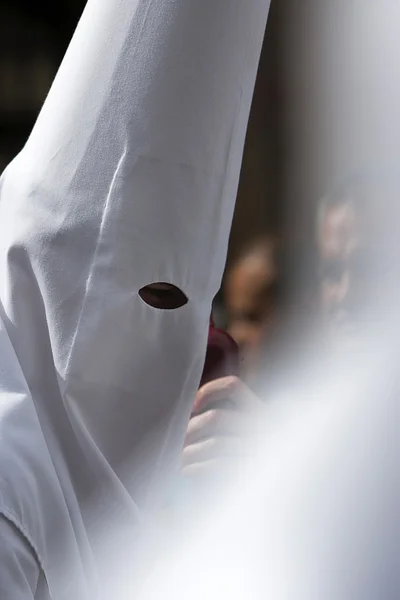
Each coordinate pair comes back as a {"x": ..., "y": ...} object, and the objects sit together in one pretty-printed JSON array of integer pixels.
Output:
[{"x": 218, "y": 431}]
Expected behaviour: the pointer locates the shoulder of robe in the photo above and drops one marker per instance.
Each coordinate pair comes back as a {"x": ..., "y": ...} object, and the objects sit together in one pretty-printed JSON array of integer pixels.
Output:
[{"x": 31, "y": 496}]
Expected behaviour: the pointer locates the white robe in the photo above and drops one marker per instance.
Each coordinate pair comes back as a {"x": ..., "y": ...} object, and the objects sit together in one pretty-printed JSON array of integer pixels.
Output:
[{"x": 128, "y": 178}]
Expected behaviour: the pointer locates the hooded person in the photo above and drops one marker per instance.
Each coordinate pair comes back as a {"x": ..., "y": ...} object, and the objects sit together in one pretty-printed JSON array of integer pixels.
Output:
[{"x": 128, "y": 179}]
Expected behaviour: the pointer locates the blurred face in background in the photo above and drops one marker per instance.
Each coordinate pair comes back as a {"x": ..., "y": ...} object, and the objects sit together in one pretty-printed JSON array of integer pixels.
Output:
[
  {"x": 251, "y": 290},
  {"x": 343, "y": 265}
]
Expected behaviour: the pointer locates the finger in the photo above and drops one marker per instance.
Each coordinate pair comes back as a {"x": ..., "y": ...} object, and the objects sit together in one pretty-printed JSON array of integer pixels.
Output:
[
  {"x": 232, "y": 388},
  {"x": 211, "y": 423},
  {"x": 203, "y": 469},
  {"x": 212, "y": 448},
  {"x": 215, "y": 391}
]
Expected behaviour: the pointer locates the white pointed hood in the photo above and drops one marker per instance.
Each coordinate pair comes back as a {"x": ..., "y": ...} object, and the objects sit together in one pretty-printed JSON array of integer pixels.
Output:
[{"x": 128, "y": 178}]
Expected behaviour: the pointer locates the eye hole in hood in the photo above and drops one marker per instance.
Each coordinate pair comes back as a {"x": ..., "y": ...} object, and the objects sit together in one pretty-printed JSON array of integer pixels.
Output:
[{"x": 163, "y": 296}]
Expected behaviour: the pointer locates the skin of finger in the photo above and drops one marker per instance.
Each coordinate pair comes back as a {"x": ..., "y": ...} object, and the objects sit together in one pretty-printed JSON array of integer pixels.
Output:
[
  {"x": 226, "y": 387},
  {"x": 214, "y": 422},
  {"x": 214, "y": 391},
  {"x": 203, "y": 468},
  {"x": 212, "y": 448}
]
